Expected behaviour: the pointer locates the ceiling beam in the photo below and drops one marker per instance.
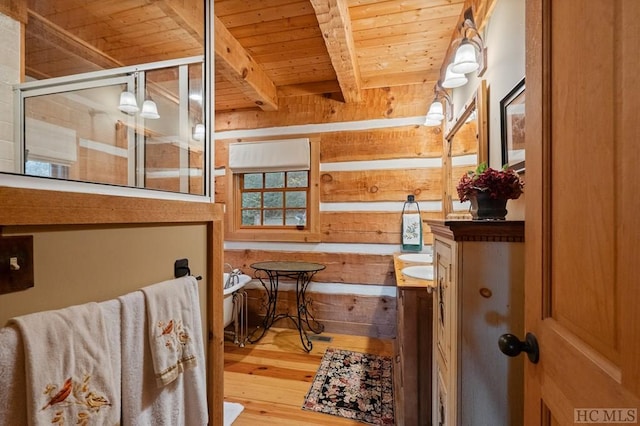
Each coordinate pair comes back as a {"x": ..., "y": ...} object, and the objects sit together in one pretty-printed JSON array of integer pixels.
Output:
[
  {"x": 191, "y": 20},
  {"x": 335, "y": 24},
  {"x": 43, "y": 29},
  {"x": 237, "y": 65}
]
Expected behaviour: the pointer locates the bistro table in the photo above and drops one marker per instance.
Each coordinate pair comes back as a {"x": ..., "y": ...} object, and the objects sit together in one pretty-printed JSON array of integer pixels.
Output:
[{"x": 302, "y": 272}]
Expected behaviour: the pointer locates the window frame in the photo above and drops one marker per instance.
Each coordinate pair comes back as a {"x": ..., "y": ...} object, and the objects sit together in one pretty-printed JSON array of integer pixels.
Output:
[
  {"x": 264, "y": 189},
  {"x": 235, "y": 231}
]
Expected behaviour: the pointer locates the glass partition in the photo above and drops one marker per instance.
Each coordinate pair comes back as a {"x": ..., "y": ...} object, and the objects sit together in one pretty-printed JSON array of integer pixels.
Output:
[{"x": 140, "y": 127}]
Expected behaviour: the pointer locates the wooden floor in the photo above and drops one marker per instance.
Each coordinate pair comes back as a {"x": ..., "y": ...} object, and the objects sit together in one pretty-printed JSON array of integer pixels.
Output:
[{"x": 271, "y": 377}]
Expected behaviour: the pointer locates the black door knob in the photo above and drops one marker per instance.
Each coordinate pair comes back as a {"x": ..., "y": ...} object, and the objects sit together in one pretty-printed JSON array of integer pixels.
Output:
[{"x": 512, "y": 346}]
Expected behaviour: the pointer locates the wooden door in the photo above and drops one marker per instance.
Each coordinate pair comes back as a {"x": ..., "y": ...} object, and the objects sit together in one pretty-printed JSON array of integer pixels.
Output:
[{"x": 582, "y": 296}]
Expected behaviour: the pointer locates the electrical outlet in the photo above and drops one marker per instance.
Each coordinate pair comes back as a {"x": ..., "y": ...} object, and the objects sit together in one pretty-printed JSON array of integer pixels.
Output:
[{"x": 16, "y": 263}]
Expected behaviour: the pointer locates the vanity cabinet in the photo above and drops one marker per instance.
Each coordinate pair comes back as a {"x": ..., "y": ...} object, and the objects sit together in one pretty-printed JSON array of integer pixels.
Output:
[
  {"x": 479, "y": 295},
  {"x": 412, "y": 362}
]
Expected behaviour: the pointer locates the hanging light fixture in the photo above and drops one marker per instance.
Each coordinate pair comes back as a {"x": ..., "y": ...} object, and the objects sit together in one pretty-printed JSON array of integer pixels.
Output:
[
  {"x": 471, "y": 54},
  {"x": 128, "y": 103},
  {"x": 149, "y": 110},
  {"x": 198, "y": 132},
  {"x": 437, "y": 110},
  {"x": 465, "y": 60},
  {"x": 453, "y": 79},
  {"x": 432, "y": 123}
]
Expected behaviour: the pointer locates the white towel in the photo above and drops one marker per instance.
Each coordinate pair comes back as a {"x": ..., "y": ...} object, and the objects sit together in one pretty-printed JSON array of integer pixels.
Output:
[
  {"x": 182, "y": 402},
  {"x": 68, "y": 372},
  {"x": 171, "y": 321},
  {"x": 111, "y": 313},
  {"x": 231, "y": 412},
  {"x": 13, "y": 408}
]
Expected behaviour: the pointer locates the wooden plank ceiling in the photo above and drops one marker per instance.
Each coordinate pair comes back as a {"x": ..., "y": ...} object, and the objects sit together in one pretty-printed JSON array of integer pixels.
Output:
[{"x": 264, "y": 50}]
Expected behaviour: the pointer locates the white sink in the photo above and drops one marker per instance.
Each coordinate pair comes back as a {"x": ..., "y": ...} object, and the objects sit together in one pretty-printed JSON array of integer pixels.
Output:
[
  {"x": 416, "y": 257},
  {"x": 421, "y": 272}
]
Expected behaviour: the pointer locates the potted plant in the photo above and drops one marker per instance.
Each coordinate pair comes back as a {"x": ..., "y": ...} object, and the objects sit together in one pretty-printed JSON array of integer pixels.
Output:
[{"x": 488, "y": 190}]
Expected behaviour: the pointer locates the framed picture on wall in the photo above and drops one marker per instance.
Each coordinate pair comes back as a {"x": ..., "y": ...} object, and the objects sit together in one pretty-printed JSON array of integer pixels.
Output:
[{"x": 512, "y": 125}]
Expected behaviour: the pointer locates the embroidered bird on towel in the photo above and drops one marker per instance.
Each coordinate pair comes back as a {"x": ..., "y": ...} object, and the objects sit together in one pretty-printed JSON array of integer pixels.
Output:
[{"x": 62, "y": 394}]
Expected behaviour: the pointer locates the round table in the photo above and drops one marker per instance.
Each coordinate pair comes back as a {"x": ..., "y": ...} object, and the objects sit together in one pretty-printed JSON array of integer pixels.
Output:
[{"x": 302, "y": 272}]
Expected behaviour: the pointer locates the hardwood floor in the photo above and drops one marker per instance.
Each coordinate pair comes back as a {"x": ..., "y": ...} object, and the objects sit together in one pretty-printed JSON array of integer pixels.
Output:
[{"x": 271, "y": 377}]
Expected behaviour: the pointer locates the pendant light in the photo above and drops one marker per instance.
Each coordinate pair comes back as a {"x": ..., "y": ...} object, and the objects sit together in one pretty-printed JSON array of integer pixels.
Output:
[
  {"x": 198, "y": 132},
  {"x": 465, "y": 59},
  {"x": 128, "y": 103},
  {"x": 436, "y": 111},
  {"x": 453, "y": 79},
  {"x": 149, "y": 110}
]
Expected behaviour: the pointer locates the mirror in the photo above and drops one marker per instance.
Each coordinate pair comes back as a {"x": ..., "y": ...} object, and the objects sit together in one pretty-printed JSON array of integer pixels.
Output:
[{"x": 466, "y": 146}]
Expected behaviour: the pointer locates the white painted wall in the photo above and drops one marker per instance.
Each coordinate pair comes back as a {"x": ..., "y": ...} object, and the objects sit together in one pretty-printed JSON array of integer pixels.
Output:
[{"x": 9, "y": 75}]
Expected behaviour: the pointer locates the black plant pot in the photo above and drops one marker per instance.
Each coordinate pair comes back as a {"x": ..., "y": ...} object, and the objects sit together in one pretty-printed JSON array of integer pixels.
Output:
[{"x": 483, "y": 207}]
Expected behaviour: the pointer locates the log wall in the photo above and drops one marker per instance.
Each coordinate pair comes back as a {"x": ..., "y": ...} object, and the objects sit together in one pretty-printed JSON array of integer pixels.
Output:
[{"x": 366, "y": 172}]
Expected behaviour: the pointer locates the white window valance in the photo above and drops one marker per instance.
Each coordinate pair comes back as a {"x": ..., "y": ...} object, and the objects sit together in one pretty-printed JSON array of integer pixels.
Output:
[
  {"x": 49, "y": 142},
  {"x": 269, "y": 156}
]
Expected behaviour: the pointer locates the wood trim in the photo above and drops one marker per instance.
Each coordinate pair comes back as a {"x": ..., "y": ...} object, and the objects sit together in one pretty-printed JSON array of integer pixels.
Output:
[
  {"x": 16, "y": 9},
  {"x": 312, "y": 234},
  {"x": 24, "y": 207},
  {"x": 468, "y": 230}
]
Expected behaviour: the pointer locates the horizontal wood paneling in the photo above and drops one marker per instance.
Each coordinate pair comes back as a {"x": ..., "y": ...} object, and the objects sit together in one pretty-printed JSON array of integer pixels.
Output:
[
  {"x": 368, "y": 227},
  {"x": 381, "y": 185},
  {"x": 350, "y": 268},
  {"x": 402, "y": 101},
  {"x": 381, "y": 144},
  {"x": 345, "y": 313}
]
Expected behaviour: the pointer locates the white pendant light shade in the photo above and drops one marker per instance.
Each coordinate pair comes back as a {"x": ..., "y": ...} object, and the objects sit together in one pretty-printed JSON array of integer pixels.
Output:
[
  {"x": 128, "y": 103},
  {"x": 149, "y": 110},
  {"x": 465, "y": 59},
  {"x": 432, "y": 123},
  {"x": 453, "y": 79},
  {"x": 198, "y": 132},
  {"x": 436, "y": 111}
]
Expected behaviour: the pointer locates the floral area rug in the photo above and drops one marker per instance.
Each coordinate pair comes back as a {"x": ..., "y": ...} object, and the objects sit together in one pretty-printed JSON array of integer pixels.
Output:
[{"x": 353, "y": 385}]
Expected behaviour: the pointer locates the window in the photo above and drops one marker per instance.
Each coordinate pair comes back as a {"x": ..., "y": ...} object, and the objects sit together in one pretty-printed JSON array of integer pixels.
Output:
[
  {"x": 274, "y": 199},
  {"x": 46, "y": 169},
  {"x": 272, "y": 192}
]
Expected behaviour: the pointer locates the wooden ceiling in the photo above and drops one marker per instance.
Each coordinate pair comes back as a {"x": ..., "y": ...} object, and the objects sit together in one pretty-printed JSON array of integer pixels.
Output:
[{"x": 264, "y": 50}]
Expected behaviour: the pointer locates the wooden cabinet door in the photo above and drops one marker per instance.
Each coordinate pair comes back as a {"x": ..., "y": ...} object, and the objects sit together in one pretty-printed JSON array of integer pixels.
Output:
[{"x": 582, "y": 291}]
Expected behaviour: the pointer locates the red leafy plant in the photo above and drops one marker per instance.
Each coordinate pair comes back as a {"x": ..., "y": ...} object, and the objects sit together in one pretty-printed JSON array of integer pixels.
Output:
[{"x": 503, "y": 183}]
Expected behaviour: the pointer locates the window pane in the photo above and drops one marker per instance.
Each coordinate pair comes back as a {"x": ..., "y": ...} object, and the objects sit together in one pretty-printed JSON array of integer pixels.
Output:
[
  {"x": 251, "y": 218},
  {"x": 297, "y": 179},
  {"x": 273, "y": 199},
  {"x": 253, "y": 180},
  {"x": 251, "y": 200},
  {"x": 296, "y": 199},
  {"x": 296, "y": 217},
  {"x": 274, "y": 180},
  {"x": 273, "y": 218},
  {"x": 37, "y": 168}
]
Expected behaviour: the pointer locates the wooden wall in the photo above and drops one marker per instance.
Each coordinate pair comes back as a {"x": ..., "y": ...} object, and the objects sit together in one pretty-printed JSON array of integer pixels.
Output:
[{"x": 363, "y": 166}]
